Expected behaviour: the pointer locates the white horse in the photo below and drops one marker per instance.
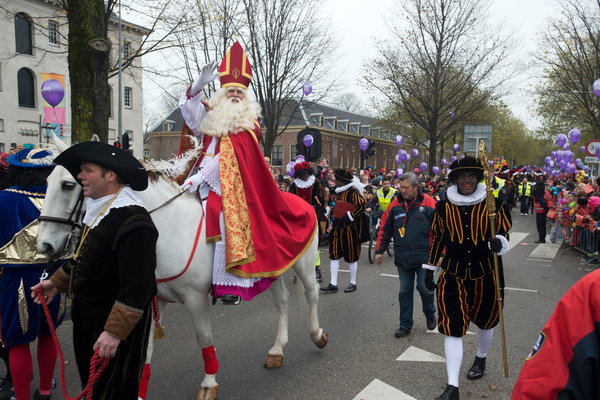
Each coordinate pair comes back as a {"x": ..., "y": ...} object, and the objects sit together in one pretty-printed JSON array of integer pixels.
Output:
[{"x": 178, "y": 222}]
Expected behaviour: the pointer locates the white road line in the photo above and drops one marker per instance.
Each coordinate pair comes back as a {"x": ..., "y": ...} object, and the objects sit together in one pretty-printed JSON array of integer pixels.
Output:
[
  {"x": 390, "y": 275},
  {"x": 416, "y": 354},
  {"x": 546, "y": 250},
  {"x": 521, "y": 290},
  {"x": 515, "y": 239},
  {"x": 378, "y": 390}
]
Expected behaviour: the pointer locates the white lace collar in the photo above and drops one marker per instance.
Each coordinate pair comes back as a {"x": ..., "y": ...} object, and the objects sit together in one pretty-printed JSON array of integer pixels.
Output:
[
  {"x": 93, "y": 207},
  {"x": 461, "y": 200},
  {"x": 304, "y": 184},
  {"x": 355, "y": 182}
]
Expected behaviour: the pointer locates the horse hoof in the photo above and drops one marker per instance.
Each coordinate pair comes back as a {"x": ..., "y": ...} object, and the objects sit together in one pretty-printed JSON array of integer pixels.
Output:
[
  {"x": 207, "y": 393},
  {"x": 323, "y": 341},
  {"x": 274, "y": 361}
]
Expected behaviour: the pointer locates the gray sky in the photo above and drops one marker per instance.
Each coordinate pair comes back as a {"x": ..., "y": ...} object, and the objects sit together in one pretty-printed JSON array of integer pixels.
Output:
[{"x": 357, "y": 25}]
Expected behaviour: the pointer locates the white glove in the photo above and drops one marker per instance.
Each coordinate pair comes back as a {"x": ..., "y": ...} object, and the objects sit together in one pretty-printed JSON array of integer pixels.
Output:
[
  {"x": 192, "y": 183},
  {"x": 208, "y": 74}
]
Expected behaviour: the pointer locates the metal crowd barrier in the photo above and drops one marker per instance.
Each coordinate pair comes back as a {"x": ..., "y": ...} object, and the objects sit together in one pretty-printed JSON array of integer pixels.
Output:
[{"x": 584, "y": 241}]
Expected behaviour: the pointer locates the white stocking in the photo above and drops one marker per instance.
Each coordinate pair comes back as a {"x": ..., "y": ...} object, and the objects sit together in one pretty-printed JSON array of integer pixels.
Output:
[
  {"x": 334, "y": 266},
  {"x": 484, "y": 339},
  {"x": 454, "y": 354},
  {"x": 353, "y": 267}
]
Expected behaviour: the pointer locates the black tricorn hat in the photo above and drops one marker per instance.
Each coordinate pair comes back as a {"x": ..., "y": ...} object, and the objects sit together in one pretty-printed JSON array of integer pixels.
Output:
[
  {"x": 343, "y": 175},
  {"x": 118, "y": 160},
  {"x": 463, "y": 164}
]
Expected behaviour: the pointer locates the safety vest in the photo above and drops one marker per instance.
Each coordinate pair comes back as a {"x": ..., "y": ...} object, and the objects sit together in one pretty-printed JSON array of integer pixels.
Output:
[
  {"x": 500, "y": 186},
  {"x": 384, "y": 201},
  {"x": 527, "y": 189}
]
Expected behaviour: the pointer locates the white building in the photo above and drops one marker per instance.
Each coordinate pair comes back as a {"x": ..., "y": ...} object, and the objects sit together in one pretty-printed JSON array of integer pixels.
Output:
[{"x": 34, "y": 49}]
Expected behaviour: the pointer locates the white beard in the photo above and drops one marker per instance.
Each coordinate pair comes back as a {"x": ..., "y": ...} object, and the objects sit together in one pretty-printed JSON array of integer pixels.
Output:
[{"x": 225, "y": 116}]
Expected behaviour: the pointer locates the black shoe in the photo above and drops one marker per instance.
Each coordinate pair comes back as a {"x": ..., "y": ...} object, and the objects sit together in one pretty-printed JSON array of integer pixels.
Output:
[
  {"x": 477, "y": 369},
  {"x": 351, "y": 288},
  {"x": 318, "y": 274},
  {"x": 38, "y": 396},
  {"x": 401, "y": 333},
  {"x": 6, "y": 388},
  {"x": 451, "y": 393},
  {"x": 330, "y": 288},
  {"x": 230, "y": 299},
  {"x": 540, "y": 241},
  {"x": 431, "y": 323}
]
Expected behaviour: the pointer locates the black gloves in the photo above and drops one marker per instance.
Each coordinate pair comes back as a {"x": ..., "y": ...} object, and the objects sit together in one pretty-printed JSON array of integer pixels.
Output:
[
  {"x": 429, "y": 283},
  {"x": 495, "y": 244}
]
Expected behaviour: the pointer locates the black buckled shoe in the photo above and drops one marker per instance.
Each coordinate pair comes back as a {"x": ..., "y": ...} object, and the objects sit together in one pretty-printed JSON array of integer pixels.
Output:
[
  {"x": 351, "y": 288},
  {"x": 330, "y": 288},
  {"x": 451, "y": 393},
  {"x": 477, "y": 369}
]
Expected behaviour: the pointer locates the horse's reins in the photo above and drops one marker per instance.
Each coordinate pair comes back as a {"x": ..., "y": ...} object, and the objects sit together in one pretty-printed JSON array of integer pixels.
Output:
[
  {"x": 72, "y": 220},
  {"x": 167, "y": 202}
]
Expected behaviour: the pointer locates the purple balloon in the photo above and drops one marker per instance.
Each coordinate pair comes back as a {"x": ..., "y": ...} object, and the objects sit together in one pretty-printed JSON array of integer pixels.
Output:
[
  {"x": 408, "y": 157},
  {"x": 455, "y": 147},
  {"x": 553, "y": 154},
  {"x": 562, "y": 164},
  {"x": 363, "y": 144},
  {"x": 399, "y": 140},
  {"x": 578, "y": 162},
  {"x": 550, "y": 163},
  {"x": 586, "y": 169},
  {"x": 570, "y": 169},
  {"x": 443, "y": 161},
  {"x": 567, "y": 146},
  {"x": 308, "y": 140},
  {"x": 423, "y": 166},
  {"x": 582, "y": 149},
  {"x": 399, "y": 171},
  {"x": 307, "y": 88},
  {"x": 454, "y": 158},
  {"x": 289, "y": 168},
  {"x": 568, "y": 156},
  {"x": 596, "y": 87},
  {"x": 561, "y": 139},
  {"x": 415, "y": 152},
  {"x": 598, "y": 151},
  {"x": 398, "y": 160},
  {"x": 574, "y": 135},
  {"x": 402, "y": 154},
  {"x": 452, "y": 114},
  {"x": 53, "y": 92},
  {"x": 435, "y": 169},
  {"x": 299, "y": 158},
  {"x": 491, "y": 162}
]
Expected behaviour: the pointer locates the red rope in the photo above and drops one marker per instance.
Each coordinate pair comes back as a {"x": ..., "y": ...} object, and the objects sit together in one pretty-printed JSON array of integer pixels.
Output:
[
  {"x": 191, "y": 255},
  {"x": 97, "y": 364}
]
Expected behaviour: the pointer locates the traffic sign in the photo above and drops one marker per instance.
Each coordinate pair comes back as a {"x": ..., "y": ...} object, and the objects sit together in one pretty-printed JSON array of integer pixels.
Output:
[
  {"x": 592, "y": 160},
  {"x": 590, "y": 148}
]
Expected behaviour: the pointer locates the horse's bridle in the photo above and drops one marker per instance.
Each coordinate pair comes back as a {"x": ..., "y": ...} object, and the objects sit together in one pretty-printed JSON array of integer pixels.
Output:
[{"x": 72, "y": 220}]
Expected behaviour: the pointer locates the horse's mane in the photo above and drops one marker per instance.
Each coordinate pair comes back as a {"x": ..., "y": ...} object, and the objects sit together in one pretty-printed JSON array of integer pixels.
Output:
[{"x": 176, "y": 168}]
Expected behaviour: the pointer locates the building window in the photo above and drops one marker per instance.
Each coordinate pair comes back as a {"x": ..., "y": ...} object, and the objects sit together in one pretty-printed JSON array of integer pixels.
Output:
[
  {"x": 1, "y": 125},
  {"x": 2, "y": 148},
  {"x": 130, "y": 134},
  {"x": 126, "y": 50},
  {"x": 293, "y": 152},
  {"x": 341, "y": 161},
  {"x": 25, "y": 88},
  {"x": 23, "y": 34},
  {"x": 110, "y": 101},
  {"x": 277, "y": 155},
  {"x": 341, "y": 147},
  {"x": 146, "y": 153},
  {"x": 353, "y": 149},
  {"x": 127, "y": 97},
  {"x": 53, "y": 32}
]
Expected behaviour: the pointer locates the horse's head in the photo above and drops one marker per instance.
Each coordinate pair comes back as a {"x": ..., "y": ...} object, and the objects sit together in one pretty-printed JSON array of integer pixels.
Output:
[{"x": 61, "y": 213}]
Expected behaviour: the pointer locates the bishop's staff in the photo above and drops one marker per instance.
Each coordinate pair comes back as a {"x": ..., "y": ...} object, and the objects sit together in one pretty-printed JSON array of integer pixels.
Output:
[{"x": 491, "y": 210}]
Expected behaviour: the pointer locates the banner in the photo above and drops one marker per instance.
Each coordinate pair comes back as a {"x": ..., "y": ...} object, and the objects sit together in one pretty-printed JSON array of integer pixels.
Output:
[{"x": 54, "y": 115}]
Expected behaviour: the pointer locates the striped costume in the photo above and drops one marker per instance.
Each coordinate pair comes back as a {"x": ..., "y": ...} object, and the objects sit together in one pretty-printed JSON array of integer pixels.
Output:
[
  {"x": 466, "y": 288},
  {"x": 344, "y": 240}
]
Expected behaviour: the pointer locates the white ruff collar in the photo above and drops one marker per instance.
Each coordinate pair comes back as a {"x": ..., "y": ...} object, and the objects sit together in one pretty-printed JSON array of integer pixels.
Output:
[
  {"x": 304, "y": 184},
  {"x": 93, "y": 207},
  {"x": 355, "y": 182},
  {"x": 461, "y": 200}
]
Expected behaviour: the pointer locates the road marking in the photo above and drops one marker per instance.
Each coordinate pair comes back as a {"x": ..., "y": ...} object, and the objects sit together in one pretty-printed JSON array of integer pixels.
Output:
[
  {"x": 546, "y": 250},
  {"x": 415, "y": 354},
  {"x": 378, "y": 390},
  {"x": 390, "y": 275},
  {"x": 520, "y": 290},
  {"x": 515, "y": 238}
]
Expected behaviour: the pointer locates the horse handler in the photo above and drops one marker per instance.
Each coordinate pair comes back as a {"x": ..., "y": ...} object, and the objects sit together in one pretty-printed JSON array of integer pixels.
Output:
[{"x": 112, "y": 270}]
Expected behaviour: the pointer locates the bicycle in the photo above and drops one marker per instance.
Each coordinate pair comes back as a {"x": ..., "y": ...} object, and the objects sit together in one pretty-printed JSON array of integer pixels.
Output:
[{"x": 374, "y": 221}]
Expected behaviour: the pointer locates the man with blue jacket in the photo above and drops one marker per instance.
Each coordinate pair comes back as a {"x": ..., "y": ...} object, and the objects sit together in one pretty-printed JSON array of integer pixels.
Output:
[{"x": 407, "y": 220}]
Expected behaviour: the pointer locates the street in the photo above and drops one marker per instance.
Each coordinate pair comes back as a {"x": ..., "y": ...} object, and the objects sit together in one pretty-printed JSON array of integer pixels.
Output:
[{"x": 363, "y": 359}]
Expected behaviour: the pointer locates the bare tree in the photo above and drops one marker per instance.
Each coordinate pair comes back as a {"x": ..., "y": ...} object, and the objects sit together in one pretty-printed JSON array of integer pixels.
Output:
[
  {"x": 288, "y": 44},
  {"x": 348, "y": 102},
  {"x": 570, "y": 53},
  {"x": 443, "y": 68}
]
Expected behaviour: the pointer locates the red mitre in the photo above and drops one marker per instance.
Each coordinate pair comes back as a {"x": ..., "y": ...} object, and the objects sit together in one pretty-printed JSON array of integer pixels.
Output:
[{"x": 235, "y": 68}]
